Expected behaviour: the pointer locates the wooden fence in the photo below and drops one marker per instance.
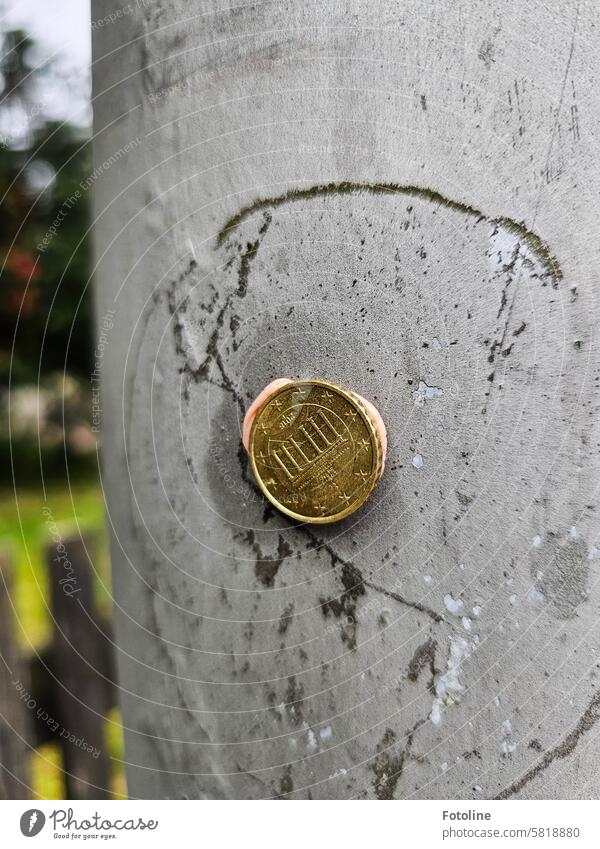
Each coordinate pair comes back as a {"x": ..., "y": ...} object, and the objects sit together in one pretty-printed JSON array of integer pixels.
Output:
[{"x": 64, "y": 692}]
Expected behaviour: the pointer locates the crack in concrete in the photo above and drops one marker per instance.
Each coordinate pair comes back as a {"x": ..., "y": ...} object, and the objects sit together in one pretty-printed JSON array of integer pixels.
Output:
[
  {"x": 212, "y": 353},
  {"x": 360, "y": 582},
  {"x": 416, "y": 605}
]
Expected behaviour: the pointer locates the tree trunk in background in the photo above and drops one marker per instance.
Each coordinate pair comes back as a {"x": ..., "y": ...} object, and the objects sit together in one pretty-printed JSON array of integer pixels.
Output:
[{"x": 401, "y": 198}]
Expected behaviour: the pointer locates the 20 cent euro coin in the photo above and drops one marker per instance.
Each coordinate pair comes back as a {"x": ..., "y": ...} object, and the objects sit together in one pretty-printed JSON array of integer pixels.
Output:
[{"x": 316, "y": 450}]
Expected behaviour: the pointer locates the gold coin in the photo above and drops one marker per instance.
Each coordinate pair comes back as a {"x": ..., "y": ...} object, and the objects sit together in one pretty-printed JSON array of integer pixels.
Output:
[{"x": 315, "y": 451}]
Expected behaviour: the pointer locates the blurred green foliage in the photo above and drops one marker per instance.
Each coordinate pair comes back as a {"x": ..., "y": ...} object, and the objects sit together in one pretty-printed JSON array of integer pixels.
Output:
[{"x": 45, "y": 303}]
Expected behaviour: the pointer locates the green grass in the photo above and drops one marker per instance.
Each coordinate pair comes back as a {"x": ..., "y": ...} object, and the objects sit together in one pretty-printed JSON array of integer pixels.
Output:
[{"x": 25, "y": 533}]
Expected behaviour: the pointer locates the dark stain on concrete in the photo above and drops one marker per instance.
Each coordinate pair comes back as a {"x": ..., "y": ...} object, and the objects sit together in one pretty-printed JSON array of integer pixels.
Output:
[
  {"x": 423, "y": 658},
  {"x": 486, "y": 53},
  {"x": 294, "y": 704},
  {"x": 286, "y": 785},
  {"x": 343, "y": 607},
  {"x": 387, "y": 767},
  {"x": 586, "y": 722},
  {"x": 267, "y": 566},
  {"x": 388, "y": 763},
  {"x": 286, "y": 618}
]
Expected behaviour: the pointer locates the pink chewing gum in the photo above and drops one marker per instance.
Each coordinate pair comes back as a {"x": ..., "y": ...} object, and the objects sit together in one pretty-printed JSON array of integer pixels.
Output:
[
  {"x": 379, "y": 426},
  {"x": 257, "y": 404}
]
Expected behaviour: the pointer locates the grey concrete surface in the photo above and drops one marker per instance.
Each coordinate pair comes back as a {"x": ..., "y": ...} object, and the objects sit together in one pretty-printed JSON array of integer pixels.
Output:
[{"x": 401, "y": 198}]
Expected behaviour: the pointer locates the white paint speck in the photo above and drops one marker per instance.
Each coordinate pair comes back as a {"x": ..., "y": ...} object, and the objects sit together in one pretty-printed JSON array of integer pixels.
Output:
[
  {"x": 326, "y": 733},
  {"x": 507, "y": 248},
  {"x": 466, "y": 623},
  {"x": 573, "y": 532},
  {"x": 338, "y": 772},
  {"x": 537, "y": 541},
  {"x": 593, "y": 552},
  {"x": 455, "y": 606},
  {"x": 427, "y": 578},
  {"x": 507, "y": 746},
  {"x": 444, "y": 766},
  {"x": 311, "y": 740},
  {"x": 436, "y": 345},
  {"x": 477, "y": 610},
  {"x": 534, "y": 596},
  {"x": 478, "y": 789},
  {"x": 497, "y": 701},
  {"x": 425, "y": 393},
  {"x": 448, "y": 688},
  {"x": 513, "y": 600},
  {"x": 503, "y": 245},
  {"x": 418, "y": 461}
]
